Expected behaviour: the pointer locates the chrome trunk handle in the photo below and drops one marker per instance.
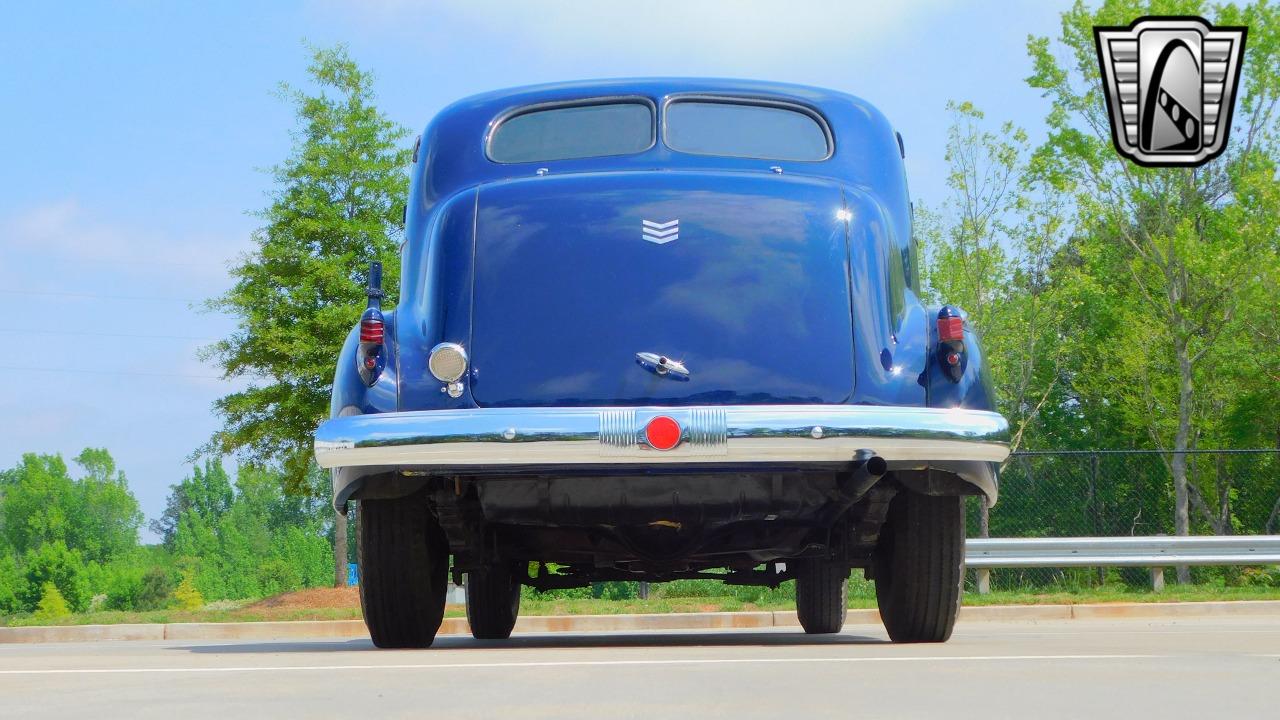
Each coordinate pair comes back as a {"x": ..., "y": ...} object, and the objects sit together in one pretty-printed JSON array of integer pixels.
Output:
[{"x": 662, "y": 365}]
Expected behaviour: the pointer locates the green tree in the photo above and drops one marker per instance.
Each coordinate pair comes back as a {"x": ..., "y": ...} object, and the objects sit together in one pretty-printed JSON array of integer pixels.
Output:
[
  {"x": 96, "y": 515},
  {"x": 109, "y": 517},
  {"x": 1191, "y": 252},
  {"x": 298, "y": 294},
  {"x": 257, "y": 541},
  {"x": 207, "y": 493},
  {"x": 39, "y": 503}
]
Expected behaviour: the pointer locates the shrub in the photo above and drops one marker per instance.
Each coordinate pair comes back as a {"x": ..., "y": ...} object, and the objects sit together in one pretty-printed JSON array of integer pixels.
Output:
[
  {"x": 188, "y": 597},
  {"x": 1260, "y": 577},
  {"x": 277, "y": 575},
  {"x": 157, "y": 587},
  {"x": 53, "y": 562},
  {"x": 123, "y": 585},
  {"x": 52, "y": 605},
  {"x": 618, "y": 590},
  {"x": 578, "y": 593},
  {"x": 132, "y": 587}
]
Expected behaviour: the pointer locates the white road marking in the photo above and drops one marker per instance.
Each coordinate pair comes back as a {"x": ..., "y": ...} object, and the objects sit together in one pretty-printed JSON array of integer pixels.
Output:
[
  {"x": 1031, "y": 634},
  {"x": 574, "y": 663}
]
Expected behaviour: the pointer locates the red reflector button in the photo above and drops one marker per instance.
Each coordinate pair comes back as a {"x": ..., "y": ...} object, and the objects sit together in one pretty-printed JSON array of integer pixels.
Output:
[{"x": 662, "y": 432}]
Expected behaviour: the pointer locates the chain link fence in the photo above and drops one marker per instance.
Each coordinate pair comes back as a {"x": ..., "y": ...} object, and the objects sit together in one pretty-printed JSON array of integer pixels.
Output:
[{"x": 1100, "y": 493}]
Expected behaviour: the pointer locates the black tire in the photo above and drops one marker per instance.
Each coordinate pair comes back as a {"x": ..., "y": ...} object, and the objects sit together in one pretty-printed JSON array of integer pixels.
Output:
[
  {"x": 822, "y": 596},
  {"x": 493, "y": 602},
  {"x": 404, "y": 571},
  {"x": 919, "y": 567}
]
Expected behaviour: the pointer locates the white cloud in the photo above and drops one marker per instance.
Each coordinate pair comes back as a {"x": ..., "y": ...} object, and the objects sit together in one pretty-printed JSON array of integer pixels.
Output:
[{"x": 63, "y": 230}]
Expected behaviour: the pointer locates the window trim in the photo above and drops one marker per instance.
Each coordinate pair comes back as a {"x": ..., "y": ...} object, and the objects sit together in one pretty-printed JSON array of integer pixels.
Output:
[
  {"x": 515, "y": 112},
  {"x": 755, "y": 101}
]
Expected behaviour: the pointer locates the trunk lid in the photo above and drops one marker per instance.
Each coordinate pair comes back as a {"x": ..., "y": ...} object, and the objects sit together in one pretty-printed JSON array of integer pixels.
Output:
[{"x": 741, "y": 278}]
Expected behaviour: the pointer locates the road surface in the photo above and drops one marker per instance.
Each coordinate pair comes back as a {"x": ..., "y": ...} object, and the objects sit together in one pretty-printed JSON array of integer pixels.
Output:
[{"x": 1191, "y": 668}]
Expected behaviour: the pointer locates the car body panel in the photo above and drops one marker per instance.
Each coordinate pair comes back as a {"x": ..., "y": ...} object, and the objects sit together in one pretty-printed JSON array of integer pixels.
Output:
[{"x": 749, "y": 290}]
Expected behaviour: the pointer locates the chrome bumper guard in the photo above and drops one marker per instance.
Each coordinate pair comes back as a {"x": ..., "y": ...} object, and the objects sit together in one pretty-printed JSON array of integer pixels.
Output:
[{"x": 496, "y": 437}]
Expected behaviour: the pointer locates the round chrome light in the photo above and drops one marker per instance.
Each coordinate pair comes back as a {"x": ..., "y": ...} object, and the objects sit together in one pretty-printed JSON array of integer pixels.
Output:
[{"x": 448, "y": 361}]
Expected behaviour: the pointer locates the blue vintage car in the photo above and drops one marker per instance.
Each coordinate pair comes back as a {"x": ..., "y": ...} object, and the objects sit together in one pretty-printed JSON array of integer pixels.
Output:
[{"x": 652, "y": 330}]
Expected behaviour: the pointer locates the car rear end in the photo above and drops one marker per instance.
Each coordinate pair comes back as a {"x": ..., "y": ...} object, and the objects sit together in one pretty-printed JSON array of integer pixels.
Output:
[{"x": 676, "y": 337}]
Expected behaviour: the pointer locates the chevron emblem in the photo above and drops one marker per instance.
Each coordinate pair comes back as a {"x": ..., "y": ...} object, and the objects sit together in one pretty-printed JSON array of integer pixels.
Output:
[{"x": 661, "y": 233}]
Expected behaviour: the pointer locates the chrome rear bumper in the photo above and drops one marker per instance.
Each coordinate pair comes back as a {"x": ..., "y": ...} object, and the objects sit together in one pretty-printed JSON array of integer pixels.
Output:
[{"x": 522, "y": 437}]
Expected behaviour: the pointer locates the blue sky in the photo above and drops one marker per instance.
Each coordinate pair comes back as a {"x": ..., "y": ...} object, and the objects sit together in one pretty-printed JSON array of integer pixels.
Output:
[{"x": 134, "y": 135}]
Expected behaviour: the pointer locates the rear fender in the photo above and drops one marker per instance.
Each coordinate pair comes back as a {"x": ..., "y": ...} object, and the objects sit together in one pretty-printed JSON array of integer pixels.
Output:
[{"x": 973, "y": 391}]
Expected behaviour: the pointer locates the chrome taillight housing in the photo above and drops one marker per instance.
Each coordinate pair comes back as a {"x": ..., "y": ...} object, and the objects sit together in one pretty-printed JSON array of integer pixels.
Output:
[{"x": 447, "y": 362}]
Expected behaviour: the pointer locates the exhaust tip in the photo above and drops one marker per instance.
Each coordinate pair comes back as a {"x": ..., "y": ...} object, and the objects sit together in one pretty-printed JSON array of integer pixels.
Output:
[{"x": 876, "y": 466}]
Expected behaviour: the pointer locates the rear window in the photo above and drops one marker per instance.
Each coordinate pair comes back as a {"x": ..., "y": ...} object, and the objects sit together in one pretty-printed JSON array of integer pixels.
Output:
[
  {"x": 577, "y": 131},
  {"x": 735, "y": 129}
]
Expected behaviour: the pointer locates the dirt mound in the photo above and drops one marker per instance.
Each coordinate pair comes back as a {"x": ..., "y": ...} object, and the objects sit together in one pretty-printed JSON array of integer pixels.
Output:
[{"x": 312, "y": 598}]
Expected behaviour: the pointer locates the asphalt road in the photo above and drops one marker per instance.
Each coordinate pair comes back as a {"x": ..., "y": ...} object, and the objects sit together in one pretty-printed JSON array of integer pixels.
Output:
[{"x": 1096, "y": 669}]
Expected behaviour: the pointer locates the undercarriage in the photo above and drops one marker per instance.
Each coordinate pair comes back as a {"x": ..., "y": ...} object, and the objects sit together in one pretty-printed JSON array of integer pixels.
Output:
[{"x": 740, "y": 528}]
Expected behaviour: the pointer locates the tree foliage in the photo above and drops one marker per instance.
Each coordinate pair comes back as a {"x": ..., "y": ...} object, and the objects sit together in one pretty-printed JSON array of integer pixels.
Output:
[
  {"x": 95, "y": 514},
  {"x": 1191, "y": 253},
  {"x": 259, "y": 542},
  {"x": 299, "y": 292},
  {"x": 227, "y": 540},
  {"x": 54, "y": 563},
  {"x": 1124, "y": 306}
]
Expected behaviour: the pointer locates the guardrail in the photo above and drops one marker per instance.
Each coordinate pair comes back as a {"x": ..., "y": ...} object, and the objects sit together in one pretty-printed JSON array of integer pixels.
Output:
[{"x": 1156, "y": 552}]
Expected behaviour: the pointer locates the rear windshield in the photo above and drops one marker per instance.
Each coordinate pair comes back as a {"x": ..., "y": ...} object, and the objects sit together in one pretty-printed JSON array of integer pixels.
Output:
[
  {"x": 578, "y": 131},
  {"x": 737, "y": 129}
]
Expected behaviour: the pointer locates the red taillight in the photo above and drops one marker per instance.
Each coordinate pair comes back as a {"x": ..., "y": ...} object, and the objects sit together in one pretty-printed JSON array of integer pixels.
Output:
[
  {"x": 950, "y": 328},
  {"x": 371, "y": 331},
  {"x": 662, "y": 432}
]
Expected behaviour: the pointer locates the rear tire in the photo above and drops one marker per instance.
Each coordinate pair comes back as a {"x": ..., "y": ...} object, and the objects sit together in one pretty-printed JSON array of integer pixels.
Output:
[
  {"x": 493, "y": 602},
  {"x": 822, "y": 596},
  {"x": 919, "y": 567},
  {"x": 404, "y": 565}
]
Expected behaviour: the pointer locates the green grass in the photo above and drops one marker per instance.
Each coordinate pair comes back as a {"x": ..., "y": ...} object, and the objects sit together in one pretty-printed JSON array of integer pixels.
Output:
[
  {"x": 861, "y": 595},
  {"x": 117, "y": 617}
]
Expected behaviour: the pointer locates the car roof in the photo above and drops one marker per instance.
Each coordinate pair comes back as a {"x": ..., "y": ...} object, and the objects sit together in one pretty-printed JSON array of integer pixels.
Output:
[{"x": 453, "y": 156}]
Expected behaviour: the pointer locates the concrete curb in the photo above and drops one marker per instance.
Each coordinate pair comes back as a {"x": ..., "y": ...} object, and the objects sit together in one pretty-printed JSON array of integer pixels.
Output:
[{"x": 346, "y": 629}]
